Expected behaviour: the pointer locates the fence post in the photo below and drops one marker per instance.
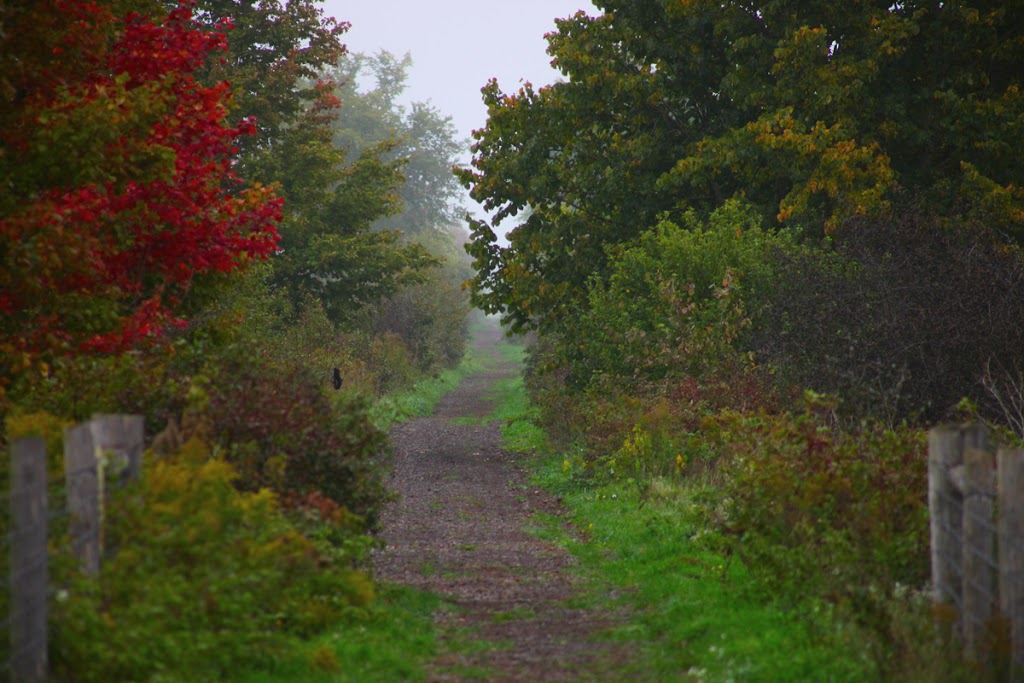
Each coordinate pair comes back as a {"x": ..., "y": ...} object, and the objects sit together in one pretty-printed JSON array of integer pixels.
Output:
[
  {"x": 29, "y": 561},
  {"x": 946, "y": 446},
  {"x": 946, "y": 521},
  {"x": 122, "y": 435},
  {"x": 979, "y": 550},
  {"x": 1011, "y": 551},
  {"x": 83, "y": 489}
]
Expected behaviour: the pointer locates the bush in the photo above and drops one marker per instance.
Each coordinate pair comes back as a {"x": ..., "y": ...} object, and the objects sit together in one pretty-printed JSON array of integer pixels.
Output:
[
  {"x": 280, "y": 430},
  {"x": 431, "y": 319},
  {"x": 901, "y": 320},
  {"x": 200, "y": 579},
  {"x": 661, "y": 344},
  {"x": 675, "y": 305},
  {"x": 817, "y": 511}
]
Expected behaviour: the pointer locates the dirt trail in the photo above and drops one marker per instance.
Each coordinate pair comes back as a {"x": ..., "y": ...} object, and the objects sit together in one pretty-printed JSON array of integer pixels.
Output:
[{"x": 458, "y": 530}]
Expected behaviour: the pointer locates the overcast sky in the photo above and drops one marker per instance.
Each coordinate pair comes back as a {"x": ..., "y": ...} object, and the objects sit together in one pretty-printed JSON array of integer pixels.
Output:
[{"x": 457, "y": 45}]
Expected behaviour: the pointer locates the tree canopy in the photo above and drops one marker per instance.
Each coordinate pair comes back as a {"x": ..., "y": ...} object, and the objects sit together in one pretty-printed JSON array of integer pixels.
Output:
[
  {"x": 120, "y": 196},
  {"x": 420, "y": 133},
  {"x": 275, "y": 49},
  {"x": 813, "y": 113}
]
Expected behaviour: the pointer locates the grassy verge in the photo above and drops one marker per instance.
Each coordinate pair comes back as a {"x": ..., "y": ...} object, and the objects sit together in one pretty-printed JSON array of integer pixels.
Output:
[
  {"x": 696, "y": 615},
  {"x": 390, "y": 643},
  {"x": 423, "y": 397}
]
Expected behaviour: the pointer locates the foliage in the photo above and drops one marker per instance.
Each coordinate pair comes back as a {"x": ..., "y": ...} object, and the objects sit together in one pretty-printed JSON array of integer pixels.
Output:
[
  {"x": 431, "y": 319},
  {"x": 121, "y": 200},
  {"x": 280, "y": 430},
  {"x": 662, "y": 343},
  {"x": 49, "y": 427},
  {"x": 674, "y": 305},
  {"x": 203, "y": 579},
  {"x": 420, "y": 135},
  {"x": 328, "y": 250},
  {"x": 899, "y": 321},
  {"x": 812, "y": 113},
  {"x": 274, "y": 50},
  {"x": 808, "y": 505}
]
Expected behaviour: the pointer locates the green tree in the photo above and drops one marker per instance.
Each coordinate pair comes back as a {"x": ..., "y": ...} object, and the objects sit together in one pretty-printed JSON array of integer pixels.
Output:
[
  {"x": 421, "y": 134},
  {"x": 275, "y": 51},
  {"x": 329, "y": 249},
  {"x": 812, "y": 113},
  {"x": 276, "y": 54},
  {"x": 429, "y": 317}
]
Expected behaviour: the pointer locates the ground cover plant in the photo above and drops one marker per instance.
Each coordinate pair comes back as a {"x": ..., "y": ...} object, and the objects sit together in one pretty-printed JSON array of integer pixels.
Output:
[{"x": 205, "y": 578}]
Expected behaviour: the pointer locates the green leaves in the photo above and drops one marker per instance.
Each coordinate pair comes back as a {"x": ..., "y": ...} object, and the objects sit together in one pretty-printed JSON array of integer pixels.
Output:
[{"x": 813, "y": 114}]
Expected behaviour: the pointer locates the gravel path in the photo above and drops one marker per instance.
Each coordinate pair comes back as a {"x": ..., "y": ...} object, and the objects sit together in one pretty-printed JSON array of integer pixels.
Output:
[{"x": 458, "y": 530}]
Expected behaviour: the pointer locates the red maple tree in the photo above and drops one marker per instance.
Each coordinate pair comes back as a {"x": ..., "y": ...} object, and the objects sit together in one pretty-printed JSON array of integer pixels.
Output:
[{"x": 118, "y": 195}]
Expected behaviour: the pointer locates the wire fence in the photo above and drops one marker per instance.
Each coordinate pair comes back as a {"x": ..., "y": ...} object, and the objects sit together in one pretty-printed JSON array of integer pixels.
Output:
[
  {"x": 976, "y": 505},
  {"x": 48, "y": 513}
]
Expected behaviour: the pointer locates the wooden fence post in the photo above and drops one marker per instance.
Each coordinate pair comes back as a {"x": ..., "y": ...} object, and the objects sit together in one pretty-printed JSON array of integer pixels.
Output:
[
  {"x": 1011, "y": 551},
  {"x": 83, "y": 489},
  {"x": 946, "y": 521},
  {"x": 29, "y": 561},
  {"x": 979, "y": 550},
  {"x": 123, "y": 436},
  {"x": 946, "y": 446}
]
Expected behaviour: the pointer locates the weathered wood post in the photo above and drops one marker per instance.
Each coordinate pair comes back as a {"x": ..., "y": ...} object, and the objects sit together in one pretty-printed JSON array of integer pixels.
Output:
[
  {"x": 118, "y": 442},
  {"x": 1011, "y": 552},
  {"x": 979, "y": 550},
  {"x": 121, "y": 436},
  {"x": 946, "y": 446},
  {"x": 82, "y": 479},
  {"x": 946, "y": 519},
  {"x": 29, "y": 561}
]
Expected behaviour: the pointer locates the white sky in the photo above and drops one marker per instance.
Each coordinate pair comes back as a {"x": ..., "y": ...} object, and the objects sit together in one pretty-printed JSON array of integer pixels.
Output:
[{"x": 457, "y": 46}]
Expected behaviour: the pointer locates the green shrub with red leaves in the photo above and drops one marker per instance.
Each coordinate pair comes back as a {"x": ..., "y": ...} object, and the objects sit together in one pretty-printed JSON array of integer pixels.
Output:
[
  {"x": 820, "y": 511},
  {"x": 281, "y": 430}
]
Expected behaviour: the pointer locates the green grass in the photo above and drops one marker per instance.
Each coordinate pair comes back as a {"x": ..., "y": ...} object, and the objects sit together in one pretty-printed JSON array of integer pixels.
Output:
[
  {"x": 391, "y": 644},
  {"x": 423, "y": 397},
  {"x": 519, "y": 430},
  {"x": 698, "y": 615}
]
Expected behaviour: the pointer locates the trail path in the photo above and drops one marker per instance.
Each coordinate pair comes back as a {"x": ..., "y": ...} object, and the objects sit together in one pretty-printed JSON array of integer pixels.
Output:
[{"x": 459, "y": 530}]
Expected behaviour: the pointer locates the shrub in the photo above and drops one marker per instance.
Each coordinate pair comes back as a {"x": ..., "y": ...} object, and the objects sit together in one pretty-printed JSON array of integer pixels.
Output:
[
  {"x": 202, "y": 579},
  {"x": 431, "y": 319},
  {"x": 675, "y": 305},
  {"x": 900, "y": 320},
  {"x": 280, "y": 430},
  {"x": 821, "y": 512}
]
